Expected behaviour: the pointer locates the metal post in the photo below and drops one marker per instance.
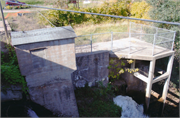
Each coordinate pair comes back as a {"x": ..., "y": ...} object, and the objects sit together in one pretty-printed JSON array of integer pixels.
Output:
[
  {"x": 166, "y": 84},
  {"x": 130, "y": 30},
  {"x": 141, "y": 32},
  {"x": 111, "y": 41},
  {"x": 156, "y": 30},
  {"x": 173, "y": 41},
  {"x": 149, "y": 82},
  {"x": 91, "y": 43},
  {"x": 130, "y": 38},
  {"x": 154, "y": 44},
  {"x": 5, "y": 28}
]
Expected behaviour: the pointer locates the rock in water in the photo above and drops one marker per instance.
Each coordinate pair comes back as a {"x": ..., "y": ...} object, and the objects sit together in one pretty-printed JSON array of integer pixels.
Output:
[{"x": 129, "y": 107}]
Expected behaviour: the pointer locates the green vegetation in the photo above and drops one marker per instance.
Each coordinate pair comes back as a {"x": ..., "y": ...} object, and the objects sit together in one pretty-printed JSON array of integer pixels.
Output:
[
  {"x": 2, "y": 3},
  {"x": 140, "y": 10},
  {"x": 97, "y": 101},
  {"x": 33, "y": 2},
  {"x": 120, "y": 26},
  {"x": 17, "y": 7},
  {"x": 61, "y": 18},
  {"x": 117, "y": 67},
  {"x": 10, "y": 72},
  {"x": 4, "y": 16},
  {"x": 168, "y": 10}
]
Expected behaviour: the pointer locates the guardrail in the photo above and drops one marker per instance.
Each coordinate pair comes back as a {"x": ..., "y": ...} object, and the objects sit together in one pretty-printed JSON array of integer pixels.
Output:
[{"x": 150, "y": 34}]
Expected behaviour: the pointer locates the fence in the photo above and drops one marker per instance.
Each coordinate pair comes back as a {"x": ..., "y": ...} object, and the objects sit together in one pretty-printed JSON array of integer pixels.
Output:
[{"x": 139, "y": 37}]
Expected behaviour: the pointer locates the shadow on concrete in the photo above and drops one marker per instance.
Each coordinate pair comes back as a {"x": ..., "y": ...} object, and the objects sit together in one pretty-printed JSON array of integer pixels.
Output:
[
  {"x": 19, "y": 108},
  {"x": 48, "y": 75},
  {"x": 49, "y": 67}
]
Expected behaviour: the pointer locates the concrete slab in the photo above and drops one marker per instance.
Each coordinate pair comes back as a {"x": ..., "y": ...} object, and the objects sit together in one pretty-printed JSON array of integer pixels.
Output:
[
  {"x": 42, "y": 35},
  {"x": 139, "y": 50}
]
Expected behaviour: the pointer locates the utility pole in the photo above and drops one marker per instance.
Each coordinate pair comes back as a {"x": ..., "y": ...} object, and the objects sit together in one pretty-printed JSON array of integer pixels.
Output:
[{"x": 5, "y": 28}]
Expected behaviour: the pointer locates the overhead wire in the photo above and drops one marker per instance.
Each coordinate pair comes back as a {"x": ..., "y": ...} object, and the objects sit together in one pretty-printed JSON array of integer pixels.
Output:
[{"x": 114, "y": 16}]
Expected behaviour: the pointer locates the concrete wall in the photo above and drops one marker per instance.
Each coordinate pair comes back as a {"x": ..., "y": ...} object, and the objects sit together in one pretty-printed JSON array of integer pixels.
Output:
[
  {"x": 91, "y": 68},
  {"x": 48, "y": 66},
  {"x": 46, "y": 56}
]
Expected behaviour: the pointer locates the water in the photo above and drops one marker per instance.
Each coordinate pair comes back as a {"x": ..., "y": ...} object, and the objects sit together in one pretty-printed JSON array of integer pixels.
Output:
[
  {"x": 129, "y": 107},
  {"x": 24, "y": 108},
  {"x": 31, "y": 113}
]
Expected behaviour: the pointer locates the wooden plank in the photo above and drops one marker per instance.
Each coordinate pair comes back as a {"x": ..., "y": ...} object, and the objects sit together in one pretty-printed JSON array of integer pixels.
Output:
[
  {"x": 164, "y": 54},
  {"x": 140, "y": 76},
  {"x": 161, "y": 77}
]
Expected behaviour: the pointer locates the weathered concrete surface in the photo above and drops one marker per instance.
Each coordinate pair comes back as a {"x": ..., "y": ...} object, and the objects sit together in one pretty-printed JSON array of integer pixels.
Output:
[
  {"x": 53, "y": 55},
  {"x": 42, "y": 35},
  {"x": 91, "y": 68},
  {"x": 54, "y": 91},
  {"x": 48, "y": 65}
]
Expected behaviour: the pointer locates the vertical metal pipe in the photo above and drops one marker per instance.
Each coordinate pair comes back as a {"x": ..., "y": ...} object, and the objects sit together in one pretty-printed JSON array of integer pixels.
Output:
[
  {"x": 154, "y": 44},
  {"x": 91, "y": 43},
  {"x": 173, "y": 40},
  {"x": 141, "y": 32},
  {"x": 130, "y": 30},
  {"x": 156, "y": 30},
  {"x": 130, "y": 37},
  {"x": 166, "y": 84},
  {"x": 111, "y": 41},
  {"x": 149, "y": 82}
]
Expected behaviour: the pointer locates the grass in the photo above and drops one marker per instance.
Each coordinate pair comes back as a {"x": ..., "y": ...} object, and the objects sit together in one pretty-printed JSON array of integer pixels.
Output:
[
  {"x": 96, "y": 102},
  {"x": 2, "y": 3},
  {"x": 4, "y": 16},
  {"x": 33, "y": 2},
  {"x": 88, "y": 28}
]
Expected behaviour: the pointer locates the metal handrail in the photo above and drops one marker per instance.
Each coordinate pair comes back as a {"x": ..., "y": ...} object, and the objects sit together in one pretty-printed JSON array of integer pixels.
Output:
[
  {"x": 130, "y": 35},
  {"x": 113, "y": 32}
]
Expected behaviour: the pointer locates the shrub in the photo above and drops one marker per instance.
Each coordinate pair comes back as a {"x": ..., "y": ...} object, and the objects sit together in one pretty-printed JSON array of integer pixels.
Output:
[
  {"x": 96, "y": 102},
  {"x": 61, "y": 18},
  {"x": 16, "y": 7},
  {"x": 9, "y": 7},
  {"x": 10, "y": 72},
  {"x": 118, "y": 66},
  {"x": 140, "y": 10}
]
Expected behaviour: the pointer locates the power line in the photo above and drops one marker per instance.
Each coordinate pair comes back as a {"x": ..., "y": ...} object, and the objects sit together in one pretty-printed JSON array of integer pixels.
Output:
[{"x": 156, "y": 21}]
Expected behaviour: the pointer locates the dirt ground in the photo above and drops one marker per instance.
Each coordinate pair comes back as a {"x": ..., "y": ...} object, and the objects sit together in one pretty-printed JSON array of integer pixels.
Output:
[{"x": 25, "y": 22}]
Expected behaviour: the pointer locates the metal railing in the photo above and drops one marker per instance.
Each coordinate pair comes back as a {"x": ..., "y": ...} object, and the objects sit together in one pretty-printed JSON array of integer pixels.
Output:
[
  {"x": 162, "y": 37},
  {"x": 157, "y": 37}
]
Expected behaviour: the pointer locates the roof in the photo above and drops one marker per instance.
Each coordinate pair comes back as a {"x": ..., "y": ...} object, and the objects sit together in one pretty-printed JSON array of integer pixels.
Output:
[{"x": 41, "y": 35}]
